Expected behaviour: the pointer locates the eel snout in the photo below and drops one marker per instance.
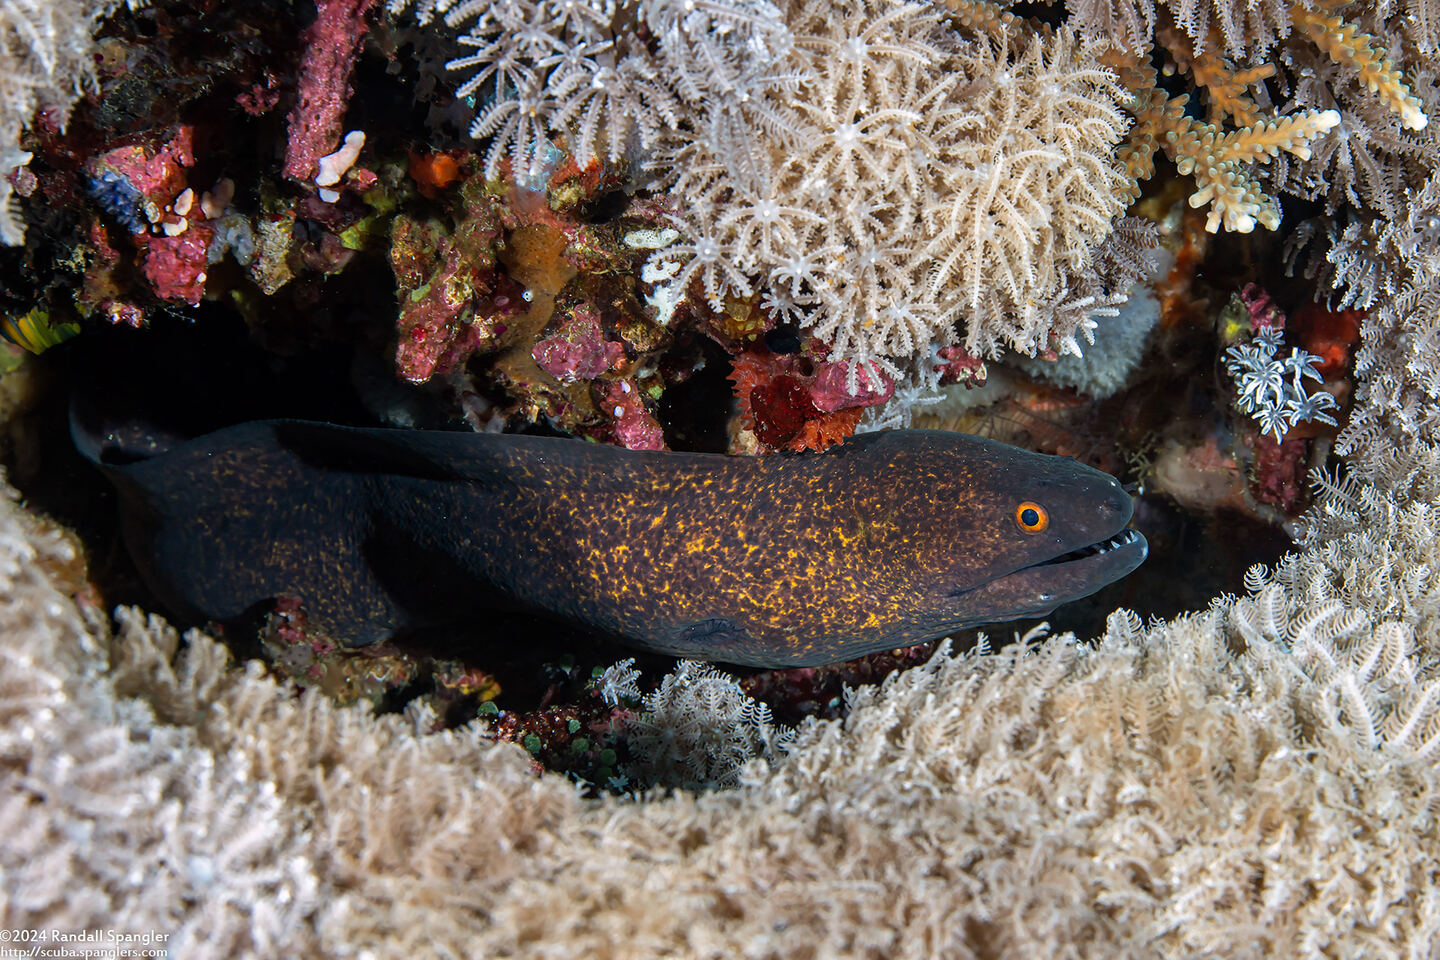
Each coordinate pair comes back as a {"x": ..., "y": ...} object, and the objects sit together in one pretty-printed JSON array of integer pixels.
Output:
[{"x": 1072, "y": 572}]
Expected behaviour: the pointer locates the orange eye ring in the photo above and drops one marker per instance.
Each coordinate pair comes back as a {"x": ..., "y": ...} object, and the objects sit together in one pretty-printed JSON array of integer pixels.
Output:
[{"x": 1031, "y": 517}]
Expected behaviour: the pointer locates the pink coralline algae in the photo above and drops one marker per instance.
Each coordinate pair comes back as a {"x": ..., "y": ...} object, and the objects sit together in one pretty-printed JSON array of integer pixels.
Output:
[
  {"x": 578, "y": 349},
  {"x": 1263, "y": 311},
  {"x": 632, "y": 426},
  {"x": 175, "y": 265},
  {"x": 101, "y": 290},
  {"x": 262, "y": 97},
  {"x": 453, "y": 300},
  {"x": 1278, "y": 477},
  {"x": 828, "y": 391},
  {"x": 584, "y": 739},
  {"x": 958, "y": 366},
  {"x": 143, "y": 186},
  {"x": 308, "y": 657},
  {"x": 331, "y": 44},
  {"x": 137, "y": 182},
  {"x": 360, "y": 179},
  {"x": 798, "y": 401}
]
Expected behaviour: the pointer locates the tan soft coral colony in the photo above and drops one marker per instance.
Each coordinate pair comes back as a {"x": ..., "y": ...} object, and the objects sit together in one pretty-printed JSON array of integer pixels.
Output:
[
  {"x": 1257, "y": 778},
  {"x": 931, "y": 180}
]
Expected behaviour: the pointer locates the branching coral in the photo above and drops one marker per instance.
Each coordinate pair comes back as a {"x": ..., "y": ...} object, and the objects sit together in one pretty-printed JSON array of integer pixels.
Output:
[
  {"x": 1343, "y": 83},
  {"x": 1219, "y": 161},
  {"x": 1345, "y": 44},
  {"x": 1339, "y": 80},
  {"x": 1383, "y": 146},
  {"x": 898, "y": 186}
]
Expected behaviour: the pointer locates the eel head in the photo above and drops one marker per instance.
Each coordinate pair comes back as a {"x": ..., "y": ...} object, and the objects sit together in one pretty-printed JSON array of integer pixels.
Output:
[
  {"x": 1004, "y": 533},
  {"x": 1053, "y": 531}
]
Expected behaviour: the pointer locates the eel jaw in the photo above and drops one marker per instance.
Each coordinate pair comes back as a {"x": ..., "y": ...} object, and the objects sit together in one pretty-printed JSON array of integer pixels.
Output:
[{"x": 1041, "y": 587}]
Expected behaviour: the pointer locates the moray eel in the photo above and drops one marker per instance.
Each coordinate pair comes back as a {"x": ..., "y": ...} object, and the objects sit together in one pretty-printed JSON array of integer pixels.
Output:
[{"x": 887, "y": 540}]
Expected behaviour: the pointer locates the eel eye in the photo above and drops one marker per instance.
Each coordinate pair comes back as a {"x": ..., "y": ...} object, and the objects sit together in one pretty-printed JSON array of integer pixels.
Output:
[{"x": 1032, "y": 517}]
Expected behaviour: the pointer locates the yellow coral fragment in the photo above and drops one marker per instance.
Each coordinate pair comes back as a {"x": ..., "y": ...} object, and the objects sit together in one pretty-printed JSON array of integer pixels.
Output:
[
  {"x": 1215, "y": 159},
  {"x": 1227, "y": 86},
  {"x": 983, "y": 16},
  {"x": 1259, "y": 142},
  {"x": 1346, "y": 45}
]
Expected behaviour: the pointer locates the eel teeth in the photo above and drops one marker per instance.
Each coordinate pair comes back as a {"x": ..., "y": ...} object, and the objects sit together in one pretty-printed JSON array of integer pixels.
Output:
[{"x": 1123, "y": 538}]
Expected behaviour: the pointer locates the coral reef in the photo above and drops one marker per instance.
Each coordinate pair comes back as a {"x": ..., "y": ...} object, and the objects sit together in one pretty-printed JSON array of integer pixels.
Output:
[
  {"x": 886, "y": 148},
  {"x": 331, "y": 45},
  {"x": 820, "y": 212},
  {"x": 860, "y": 174},
  {"x": 47, "y": 52},
  {"x": 931, "y": 173},
  {"x": 1172, "y": 789}
]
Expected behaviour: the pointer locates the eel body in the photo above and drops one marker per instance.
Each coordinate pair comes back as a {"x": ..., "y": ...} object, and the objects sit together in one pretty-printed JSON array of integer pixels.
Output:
[{"x": 887, "y": 540}]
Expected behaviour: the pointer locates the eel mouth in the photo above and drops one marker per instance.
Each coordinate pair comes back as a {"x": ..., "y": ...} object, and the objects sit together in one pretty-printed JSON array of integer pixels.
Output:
[
  {"x": 1077, "y": 573},
  {"x": 1126, "y": 540}
]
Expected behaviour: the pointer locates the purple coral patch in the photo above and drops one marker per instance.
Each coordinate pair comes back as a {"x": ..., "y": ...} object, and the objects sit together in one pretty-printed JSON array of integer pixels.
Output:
[
  {"x": 578, "y": 350},
  {"x": 633, "y": 427},
  {"x": 829, "y": 391},
  {"x": 175, "y": 266}
]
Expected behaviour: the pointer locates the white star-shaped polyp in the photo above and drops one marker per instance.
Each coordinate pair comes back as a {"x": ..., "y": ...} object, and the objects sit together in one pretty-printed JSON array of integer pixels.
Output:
[{"x": 848, "y": 134}]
